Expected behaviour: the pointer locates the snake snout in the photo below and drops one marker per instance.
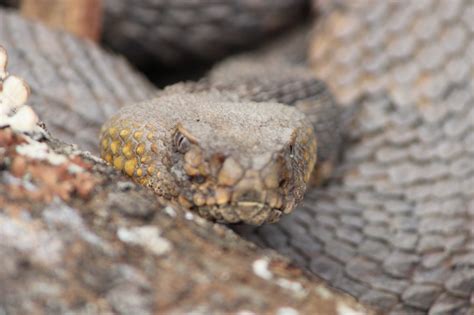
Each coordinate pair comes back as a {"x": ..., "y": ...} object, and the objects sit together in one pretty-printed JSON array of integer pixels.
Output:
[
  {"x": 277, "y": 174},
  {"x": 248, "y": 196},
  {"x": 249, "y": 189},
  {"x": 266, "y": 185}
]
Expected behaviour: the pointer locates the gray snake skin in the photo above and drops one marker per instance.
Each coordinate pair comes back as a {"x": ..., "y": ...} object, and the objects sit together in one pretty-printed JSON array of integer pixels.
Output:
[
  {"x": 180, "y": 32},
  {"x": 75, "y": 85},
  {"x": 395, "y": 226}
]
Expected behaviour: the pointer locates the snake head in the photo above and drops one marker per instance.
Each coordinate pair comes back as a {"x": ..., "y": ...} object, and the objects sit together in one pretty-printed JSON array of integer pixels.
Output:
[{"x": 228, "y": 160}]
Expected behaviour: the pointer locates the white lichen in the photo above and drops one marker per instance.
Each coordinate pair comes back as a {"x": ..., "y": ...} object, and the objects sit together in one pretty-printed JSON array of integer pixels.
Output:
[
  {"x": 40, "y": 151},
  {"x": 189, "y": 216},
  {"x": 260, "y": 268},
  {"x": 24, "y": 120},
  {"x": 14, "y": 93},
  {"x": 170, "y": 211},
  {"x": 287, "y": 311},
  {"x": 147, "y": 236},
  {"x": 74, "y": 169},
  {"x": 344, "y": 309},
  {"x": 323, "y": 292},
  {"x": 294, "y": 286},
  {"x": 3, "y": 63}
]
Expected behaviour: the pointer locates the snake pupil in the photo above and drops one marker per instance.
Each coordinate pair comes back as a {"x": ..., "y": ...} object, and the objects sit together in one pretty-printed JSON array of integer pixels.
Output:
[
  {"x": 198, "y": 179},
  {"x": 182, "y": 143}
]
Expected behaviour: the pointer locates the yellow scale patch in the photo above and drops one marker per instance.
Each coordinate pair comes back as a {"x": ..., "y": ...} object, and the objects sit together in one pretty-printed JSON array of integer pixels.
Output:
[
  {"x": 114, "y": 147},
  {"x": 138, "y": 135},
  {"x": 119, "y": 150},
  {"x": 130, "y": 166},
  {"x": 124, "y": 133},
  {"x": 127, "y": 150},
  {"x": 140, "y": 149},
  {"x": 118, "y": 162}
]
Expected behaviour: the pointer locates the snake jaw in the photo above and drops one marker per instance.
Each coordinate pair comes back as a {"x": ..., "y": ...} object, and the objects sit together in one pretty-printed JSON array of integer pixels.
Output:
[{"x": 252, "y": 189}]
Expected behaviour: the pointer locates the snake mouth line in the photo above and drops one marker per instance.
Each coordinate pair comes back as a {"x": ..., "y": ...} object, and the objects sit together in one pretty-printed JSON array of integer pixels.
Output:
[
  {"x": 255, "y": 204},
  {"x": 249, "y": 212}
]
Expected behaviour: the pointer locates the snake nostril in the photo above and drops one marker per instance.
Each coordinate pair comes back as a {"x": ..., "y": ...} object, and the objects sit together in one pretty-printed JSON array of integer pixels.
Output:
[
  {"x": 249, "y": 195},
  {"x": 283, "y": 182}
]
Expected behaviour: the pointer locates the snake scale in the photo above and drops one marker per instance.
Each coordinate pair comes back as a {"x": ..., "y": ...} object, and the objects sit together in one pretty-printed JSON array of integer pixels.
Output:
[
  {"x": 394, "y": 226},
  {"x": 177, "y": 32}
]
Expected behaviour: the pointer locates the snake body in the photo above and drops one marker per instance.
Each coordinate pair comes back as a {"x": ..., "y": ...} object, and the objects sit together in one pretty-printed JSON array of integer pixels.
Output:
[
  {"x": 75, "y": 85},
  {"x": 178, "y": 32},
  {"x": 395, "y": 225}
]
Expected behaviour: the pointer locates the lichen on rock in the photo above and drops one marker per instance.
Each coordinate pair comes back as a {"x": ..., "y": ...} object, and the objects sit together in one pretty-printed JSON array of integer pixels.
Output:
[{"x": 14, "y": 93}]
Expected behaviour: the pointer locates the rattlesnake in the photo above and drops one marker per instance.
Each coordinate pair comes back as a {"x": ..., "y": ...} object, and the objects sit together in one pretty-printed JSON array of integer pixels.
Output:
[{"x": 377, "y": 230}]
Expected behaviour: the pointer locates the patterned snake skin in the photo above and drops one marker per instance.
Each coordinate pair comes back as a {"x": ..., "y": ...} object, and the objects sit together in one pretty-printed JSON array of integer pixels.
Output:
[
  {"x": 177, "y": 32},
  {"x": 395, "y": 227}
]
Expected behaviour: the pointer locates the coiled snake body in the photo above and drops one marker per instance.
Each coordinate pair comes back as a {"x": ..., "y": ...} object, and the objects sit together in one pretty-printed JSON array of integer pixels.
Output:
[{"x": 395, "y": 225}]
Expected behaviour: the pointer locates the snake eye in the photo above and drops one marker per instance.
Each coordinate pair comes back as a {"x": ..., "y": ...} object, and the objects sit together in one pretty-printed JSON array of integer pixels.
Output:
[
  {"x": 291, "y": 150},
  {"x": 181, "y": 142},
  {"x": 198, "y": 179}
]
